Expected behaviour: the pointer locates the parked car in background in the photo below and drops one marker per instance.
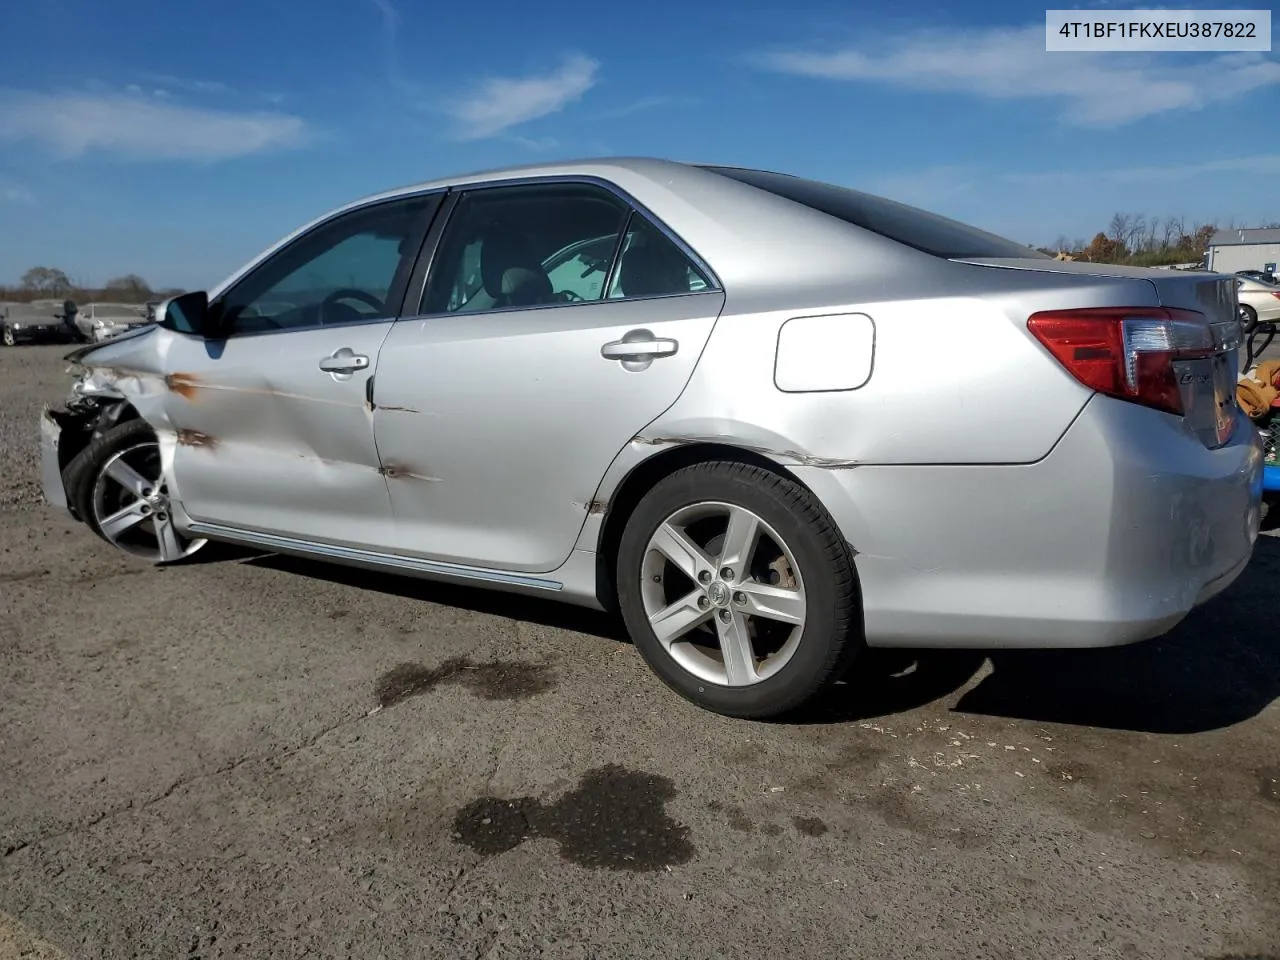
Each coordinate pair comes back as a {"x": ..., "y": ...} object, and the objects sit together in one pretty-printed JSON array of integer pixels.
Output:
[
  {"x": 38, "y": 321},
  {"x": 1259, "y": 302},
  {"x": 102, "y": 321},
  {"x": 770, "y": 420},
  {"x": 1262, "y": 275}
]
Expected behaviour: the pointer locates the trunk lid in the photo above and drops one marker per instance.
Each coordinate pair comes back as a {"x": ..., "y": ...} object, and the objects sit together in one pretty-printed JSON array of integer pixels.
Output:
[{"x": 1208, "y": 383}]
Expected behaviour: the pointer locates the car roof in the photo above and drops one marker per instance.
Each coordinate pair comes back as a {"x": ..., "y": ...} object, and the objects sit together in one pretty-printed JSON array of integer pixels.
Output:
[{"x": 604, "y": 167}]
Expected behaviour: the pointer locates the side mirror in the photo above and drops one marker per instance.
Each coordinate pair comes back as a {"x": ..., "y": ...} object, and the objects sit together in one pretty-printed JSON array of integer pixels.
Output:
[{"x": 188, "y": 314}]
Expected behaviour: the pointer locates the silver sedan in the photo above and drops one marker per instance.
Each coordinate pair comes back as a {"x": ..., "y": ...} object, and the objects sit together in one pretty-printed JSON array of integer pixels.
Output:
[{"x": 771, "y": 421}]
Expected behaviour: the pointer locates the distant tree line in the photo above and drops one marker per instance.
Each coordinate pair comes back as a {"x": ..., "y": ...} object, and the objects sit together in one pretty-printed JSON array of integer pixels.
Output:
[
  {"x": 1135, "y": 240},
  {"x": 50, "y": 283}
]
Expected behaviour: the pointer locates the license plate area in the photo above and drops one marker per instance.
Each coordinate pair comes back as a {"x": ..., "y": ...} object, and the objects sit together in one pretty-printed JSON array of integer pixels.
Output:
[{"x": 1208, "y": 388}]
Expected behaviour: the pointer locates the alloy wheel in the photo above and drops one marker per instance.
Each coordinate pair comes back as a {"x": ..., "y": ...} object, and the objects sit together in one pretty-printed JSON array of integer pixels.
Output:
[
  {"x": 131, "y": 506},
  {"x": 723, "y": 593}
]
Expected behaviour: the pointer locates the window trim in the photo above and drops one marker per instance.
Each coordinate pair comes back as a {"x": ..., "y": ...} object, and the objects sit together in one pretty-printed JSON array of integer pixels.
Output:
[
  {"x": 399, "y": 282},
  {"x": 431, "y": 247}
]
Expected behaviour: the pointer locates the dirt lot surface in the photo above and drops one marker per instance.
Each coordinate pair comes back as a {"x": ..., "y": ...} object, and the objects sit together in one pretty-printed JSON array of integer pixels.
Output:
[{"x": 265, "y": 757}]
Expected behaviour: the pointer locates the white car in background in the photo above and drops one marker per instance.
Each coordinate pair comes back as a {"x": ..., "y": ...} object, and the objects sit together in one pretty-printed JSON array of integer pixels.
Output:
[
  {"x": 102, "y": 321},
  {"x": 1259, "y": 302}
]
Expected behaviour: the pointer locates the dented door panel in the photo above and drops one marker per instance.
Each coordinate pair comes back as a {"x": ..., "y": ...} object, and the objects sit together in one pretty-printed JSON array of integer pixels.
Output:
[
  {"x": 265, "y": 440},
  {"x": 495, "y": 429}
]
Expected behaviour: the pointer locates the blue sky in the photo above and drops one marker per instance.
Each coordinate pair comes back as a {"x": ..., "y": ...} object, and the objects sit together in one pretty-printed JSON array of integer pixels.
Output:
[{"x": 178, "y": 140}]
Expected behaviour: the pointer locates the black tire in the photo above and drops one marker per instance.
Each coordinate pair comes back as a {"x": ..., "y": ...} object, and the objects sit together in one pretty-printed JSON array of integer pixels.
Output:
[
  {"x": 1248, "y": 318},
  {"x": 832, "y": 634},
  {"x": 82, "y": 472},
  {"x": 8, "y": 338}
]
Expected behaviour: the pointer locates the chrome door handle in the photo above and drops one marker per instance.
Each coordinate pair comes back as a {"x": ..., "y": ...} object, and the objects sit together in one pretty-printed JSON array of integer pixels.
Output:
[
  {"x": 344, "y": 361},
  {"x": 645, "y": 348}
]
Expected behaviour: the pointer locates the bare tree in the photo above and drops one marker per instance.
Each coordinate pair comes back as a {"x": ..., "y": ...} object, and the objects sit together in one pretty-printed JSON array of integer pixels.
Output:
[
  {"x": 49, "y": 281},
  {"x": 131, "y": 287},
  {"x": 1153, "y": 231},
  {"x": 1118, "y": 231}
]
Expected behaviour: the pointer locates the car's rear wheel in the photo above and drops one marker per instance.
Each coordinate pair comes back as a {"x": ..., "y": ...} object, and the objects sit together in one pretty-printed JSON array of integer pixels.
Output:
[
  {"x": 738, "y": 590},
  {"x": 1248, "y": 318},
  {"x": 117, "y": 486}
]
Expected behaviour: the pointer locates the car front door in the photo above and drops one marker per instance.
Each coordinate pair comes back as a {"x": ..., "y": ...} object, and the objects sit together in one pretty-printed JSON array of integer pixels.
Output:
[
  {"x": 274, "y": 428},
  {"x": 556, "y": 323}
]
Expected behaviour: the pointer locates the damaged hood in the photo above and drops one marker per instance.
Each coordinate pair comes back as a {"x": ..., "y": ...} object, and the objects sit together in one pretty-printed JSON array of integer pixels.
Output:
[{"x": 133, "y": 332}]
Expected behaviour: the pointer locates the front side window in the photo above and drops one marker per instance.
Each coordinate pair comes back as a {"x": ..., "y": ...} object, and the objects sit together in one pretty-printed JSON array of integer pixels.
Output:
[
  {"x": 525, "y": 246},
  {"x": 344, "y": 271}
]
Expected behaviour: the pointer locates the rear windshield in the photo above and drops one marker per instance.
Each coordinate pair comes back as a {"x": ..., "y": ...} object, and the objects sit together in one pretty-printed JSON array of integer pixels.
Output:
[{"x": 897, "y": 221}]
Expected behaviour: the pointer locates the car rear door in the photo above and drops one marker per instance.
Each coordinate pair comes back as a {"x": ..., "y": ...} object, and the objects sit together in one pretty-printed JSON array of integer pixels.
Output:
[
  {"x": 499, "y": 406},
  {"x": 273, "y": 423}
]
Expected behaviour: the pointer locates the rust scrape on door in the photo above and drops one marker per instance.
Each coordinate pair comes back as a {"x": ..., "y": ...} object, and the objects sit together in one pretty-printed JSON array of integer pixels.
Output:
[
  {"x": 394, "y": 471},
  {"x": 184, "y": 385},
  {"x": 189, "y": 385},
  {"x": 194, "y": 438}
]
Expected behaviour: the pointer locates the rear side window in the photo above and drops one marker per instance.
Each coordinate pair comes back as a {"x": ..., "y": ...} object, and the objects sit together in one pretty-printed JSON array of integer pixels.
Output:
[
  {"x": 912, "y": 226},
  {"x": 653, "y": 266}
]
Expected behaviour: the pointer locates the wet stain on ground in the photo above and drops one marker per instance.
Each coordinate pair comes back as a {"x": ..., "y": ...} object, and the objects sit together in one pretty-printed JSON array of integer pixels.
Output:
[
  {"x": 1269, "y": 784},
  {"x": 809, "y": 826},
  {"x": 338, "y": 614},
  {"x": 20, "y": 575},
  {"x": 771, "y": 830},
  {"x": 615, "y": 819},
  {"x": 738, "y": 820},
  {"x": 495, "y": 680}
]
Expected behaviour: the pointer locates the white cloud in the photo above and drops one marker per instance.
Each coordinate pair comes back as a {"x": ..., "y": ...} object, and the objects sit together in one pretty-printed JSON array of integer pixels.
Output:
[
  {"x": 187, "y": 86},
  {"x": 72, "y": 124},
  {"x": 1258, "y": 165},
  {"x": 647, "y": 103},
  {"x": 1094, "y": 89},
  {"x": 15, "y": 193},
  {"x": 502, "y": 102}
]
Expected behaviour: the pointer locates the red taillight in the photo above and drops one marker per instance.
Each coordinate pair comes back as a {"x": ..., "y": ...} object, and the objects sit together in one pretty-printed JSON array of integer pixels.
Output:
[
  {"x": 1276, "y": 295},
  {"x": 1126, "y": 352}
]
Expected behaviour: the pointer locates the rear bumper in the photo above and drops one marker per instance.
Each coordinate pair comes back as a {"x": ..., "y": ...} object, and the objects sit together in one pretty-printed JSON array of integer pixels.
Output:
[
  {"x": 1112, "y": 538},
  {"x": 50, "y": 464}
]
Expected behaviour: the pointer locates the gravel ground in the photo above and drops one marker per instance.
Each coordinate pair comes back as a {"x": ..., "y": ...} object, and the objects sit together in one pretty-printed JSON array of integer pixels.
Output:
[{"x": 271, "y": 758}]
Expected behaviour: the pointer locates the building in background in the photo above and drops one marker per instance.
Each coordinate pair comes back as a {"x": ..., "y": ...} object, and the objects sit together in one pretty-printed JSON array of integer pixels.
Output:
[{"x": 1233, "y": 250}]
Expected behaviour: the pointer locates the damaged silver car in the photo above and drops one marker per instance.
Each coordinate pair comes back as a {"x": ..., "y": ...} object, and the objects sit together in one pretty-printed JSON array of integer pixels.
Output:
[{"x": 771, "y": 421}]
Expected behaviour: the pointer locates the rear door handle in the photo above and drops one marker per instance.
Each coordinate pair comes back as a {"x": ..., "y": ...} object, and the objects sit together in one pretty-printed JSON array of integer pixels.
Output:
[
  {"x": 344, "y": 361},
  {"x": 639, "y": 345}
]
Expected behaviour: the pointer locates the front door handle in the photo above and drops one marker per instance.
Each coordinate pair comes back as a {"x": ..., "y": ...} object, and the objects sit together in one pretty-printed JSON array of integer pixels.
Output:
[
  {"x": 639, "y": 345},
  {"x": 344, "y": 361}
]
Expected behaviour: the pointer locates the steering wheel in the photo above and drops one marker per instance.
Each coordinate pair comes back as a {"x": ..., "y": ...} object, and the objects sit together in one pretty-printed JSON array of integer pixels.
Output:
[
  {"x": 350, "y": 293},
  {"x": 569, "y": 296}
]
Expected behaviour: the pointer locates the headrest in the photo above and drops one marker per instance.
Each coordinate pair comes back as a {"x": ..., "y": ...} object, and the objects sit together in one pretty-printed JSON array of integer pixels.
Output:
[{"x": 653, "y": 268}]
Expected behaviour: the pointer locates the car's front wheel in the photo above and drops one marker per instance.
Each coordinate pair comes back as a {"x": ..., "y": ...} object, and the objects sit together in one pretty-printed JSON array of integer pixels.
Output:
[
  {"x": 738, "y": 590},
  {"x": 8, "y": 337},
  {"x": 117, "y": 486}
]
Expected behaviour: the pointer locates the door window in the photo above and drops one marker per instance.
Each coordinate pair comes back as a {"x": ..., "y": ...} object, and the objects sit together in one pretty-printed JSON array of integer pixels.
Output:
[
  {"x": 350, "y": 269},
  {"x": 525, "y": 246},
  {"x": 652, "y": 265}
]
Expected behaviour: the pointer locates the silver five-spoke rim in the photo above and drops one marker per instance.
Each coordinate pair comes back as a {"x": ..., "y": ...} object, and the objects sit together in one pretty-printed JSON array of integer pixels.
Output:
[
  {"x": 723, "y": 594},
  {"x": 131, "y": 506}
]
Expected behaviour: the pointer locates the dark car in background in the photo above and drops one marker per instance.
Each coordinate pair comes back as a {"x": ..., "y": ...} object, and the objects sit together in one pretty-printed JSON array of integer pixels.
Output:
[{"x": 39, "y": 321}]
